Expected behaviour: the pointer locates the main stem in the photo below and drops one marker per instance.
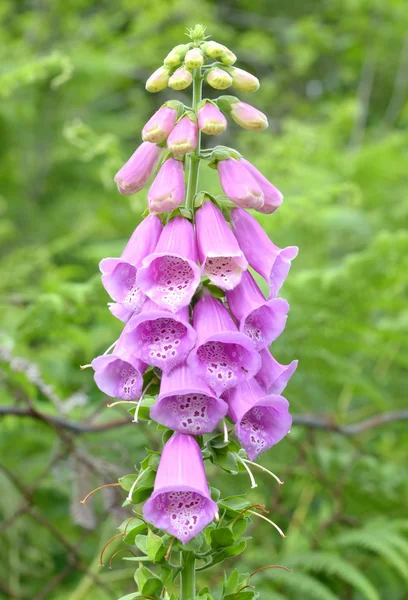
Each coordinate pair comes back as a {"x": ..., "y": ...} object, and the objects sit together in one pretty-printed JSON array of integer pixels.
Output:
[
  {"x": 187, "y": 575},
  {"x": 194, "y": 157}
]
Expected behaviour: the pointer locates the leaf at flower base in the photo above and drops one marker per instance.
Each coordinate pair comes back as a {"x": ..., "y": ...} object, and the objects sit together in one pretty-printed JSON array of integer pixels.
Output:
[
  {"x": 231, "y": 584},
  {"x": 131, "y": 533},
  {"x": 195, "y": 545},
  {"x": 239, "y": 527},
  {"x": 215, "y": 494},
  {"x": 129, "y": 596},
  {"x": 245, "y": 595},
  {"x": 144, "y": 409},
  {"x": 222, "y": 537},
  {"x": 155, "y": 547},
  {"x": 204, "y": 594},
  {"x": 236, "y": 548},
  {"x": 218, "y": 441},
  {"x": 141, "y": 543},
  {"x": 143, "y": 488},
  {"x": 234, "y": 504},
  {"x": 147, "y": 582}
]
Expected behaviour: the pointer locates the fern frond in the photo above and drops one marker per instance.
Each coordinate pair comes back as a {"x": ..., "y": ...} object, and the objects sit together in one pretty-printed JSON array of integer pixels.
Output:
[{"x": 304, "y": 586}]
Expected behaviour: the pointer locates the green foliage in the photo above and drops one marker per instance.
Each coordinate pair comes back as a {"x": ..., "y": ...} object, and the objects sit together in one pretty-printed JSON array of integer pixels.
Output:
[{"x": 73, "y": 103}]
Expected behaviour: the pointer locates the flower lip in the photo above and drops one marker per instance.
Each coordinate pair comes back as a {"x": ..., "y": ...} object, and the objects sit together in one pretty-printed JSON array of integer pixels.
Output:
[
  {"x": 159, "y": 337},
  {"x": 273, "y": 376},
  {"x": 119, "y": 280},
  {"x": 119, "y": 375}
]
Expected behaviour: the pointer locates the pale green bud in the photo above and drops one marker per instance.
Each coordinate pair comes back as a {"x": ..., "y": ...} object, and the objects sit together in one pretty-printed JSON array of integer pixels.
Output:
[
  {"x": 194, "y": 58},
  {"x": 242, "y": 80},
  {"x": 218, "y": 79},
  {"x": 158, "y": 80},
  {"x": 181, "y": 79},
  {"x": 175, "y": 56},
  {"x": 216, "y": 50}
]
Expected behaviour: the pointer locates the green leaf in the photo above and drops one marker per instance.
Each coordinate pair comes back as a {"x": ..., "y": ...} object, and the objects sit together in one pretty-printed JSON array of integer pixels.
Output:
[
  {"x": 239, "y": 527},
  {"x": 141, "y": 543},
  {"x": 221, "y": 537},
  {"x": 155, "y": 547},
  {"x": 234, "y": 504},
  {"x": 144, "y": 408},
  {"x": 231, "y": 584}
]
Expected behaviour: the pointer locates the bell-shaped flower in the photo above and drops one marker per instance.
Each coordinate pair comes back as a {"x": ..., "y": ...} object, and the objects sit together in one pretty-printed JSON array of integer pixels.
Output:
[
  {"x": 260, "y": 319},
  {"x": 170, "y": 275},
  {"x": 119, "y": 274},
  {"x": 134, "y": 175},
  {"x": 239, "y": 185},
  {"x": 162, "y": 122},
  {"x": 261, "y": 421},
  {"x": 121, "y": 312},
  {"x": 271, "y": 262},
  {"x": 186, "y": 404},
  {"x": 221, "y": 257},
  {"x": 272, "y": 196},
  {"x": 181, "y": 503},
  {"x": 211, "y": 120},
  {"x": 119, "y": 374},
  {"x": 244, "y": 114},
  {"x": 273, "y": 376},
  {"x": 168, "y": 189},
  {"x": 223, "y": 356},
  {"x": 159, "y": 337},
  {"x": 184, "y": 137}
]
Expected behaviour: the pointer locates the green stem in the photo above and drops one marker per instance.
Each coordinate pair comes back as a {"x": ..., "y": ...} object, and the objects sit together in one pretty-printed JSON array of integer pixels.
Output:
[
  {"x": 187, "y": 575},
  {"x": 194, "y": 158}
]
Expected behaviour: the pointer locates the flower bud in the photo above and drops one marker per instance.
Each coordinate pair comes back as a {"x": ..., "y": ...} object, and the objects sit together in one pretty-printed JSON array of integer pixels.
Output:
[
  {"x": 211, "y": 120},
  {"x": 181, "y": 79},
  {"x": 158, "y": 80},
  {"x": 216, "y": 50},
  {"x": 167, "y": 190},
  {"x": 133, "y": 176},
  {"x": 244, "y": 114},
  {"x": 218, "y": 79},
  {"x": 176, "y": 55},
  {"x": 184, "y": 137},
  {"x": 239, "y": 185},
  {"x": 194, "y": 58},
  {"x": 243, "y": 81},
  {"x": 162, "y": 122}
]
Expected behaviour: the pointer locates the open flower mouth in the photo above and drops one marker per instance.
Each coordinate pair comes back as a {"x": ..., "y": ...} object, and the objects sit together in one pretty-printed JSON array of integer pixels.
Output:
[
  {"x": 264, "y": 324},
  {"x": 119, "y": 379},
  {"x": 193, "y": 413},
  {"x": 120, "y": 284},
  {"x": 223, "y": 271},
  {"x": 170, "y": 281},
  {"x": 260, "y": 428},
  {"x": 223, "y": 364},
  {"x": 181, "y": 513},
  {"x": 162, "y": 342}
]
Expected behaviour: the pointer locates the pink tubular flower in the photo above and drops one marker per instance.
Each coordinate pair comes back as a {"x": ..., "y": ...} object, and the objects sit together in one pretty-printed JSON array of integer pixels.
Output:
[
  {"x": 133, "y": 176},
  {"x": 273, "y": 376},
  {"x": 170, "y": 275},
  {"x": 121, "y": 312},
  {"x": 239, "y": 185},
  {"x": 261, "y": 421},
  {"x": 160, "y": 125},
  {"x": 221, "y": 257},
  {"x": 120, "y": 374},
  {"x": 272, "y": 196},
  {"x": 160, "y": 338},
  {"x": 211, "y": 120},
  {"x": 180, "y": 503},
  {"x": 223, "y": 356},
  {"x": 271, "y": 262},
  {"x": 186, "y": 404},
  {"x": 119, "y": 274},
  {"x": 184, "y": 137},
  {"x": 244, "y": 114},
  {"x": 168, "y": 189},
  {"x": 260, "y": 319}
]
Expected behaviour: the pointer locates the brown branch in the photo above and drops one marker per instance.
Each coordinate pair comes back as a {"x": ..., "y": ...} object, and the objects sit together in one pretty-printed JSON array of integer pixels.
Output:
[{"x": 306, "y": 420}]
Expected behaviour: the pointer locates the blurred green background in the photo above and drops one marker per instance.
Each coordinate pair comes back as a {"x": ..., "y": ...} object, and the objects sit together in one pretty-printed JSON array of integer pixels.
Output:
[{"x": 334, "y": 79}]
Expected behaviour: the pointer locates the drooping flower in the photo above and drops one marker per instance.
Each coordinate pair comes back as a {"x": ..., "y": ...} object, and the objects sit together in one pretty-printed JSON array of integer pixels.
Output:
[
  {"x": 119, "y": 274},
  {"x": 161, "y": 123},
  {"x": 272, "y": 196},
  {"x": 221, "y": 257},
  {"x": 243, "y": 81},
  {"x": 176, "y": 55},
  {"x": 216, "y": 50},
  {"x": 184, "y": 137},
  {"x": 273, "y": 376},
  {"x": 120, "y": 374},
  {"x": 239, "y": 185},
  {"x": 271, "y": 262},
  {"x": 194, "y": 58},
  {"x": 261, "y": 421},
  {"x": 180, "y": 503},
  {"x": 218, "y": 79},
  {"x": 170, "y": 275},
  {"x": 134, "y": 175},
  {"x": 159, "y": 337},
  {"x": 186, "y": 404},
  {"x": 158, "y": 80},
  {"x": 121, "y": 312},
  {"x": 244, "y": 114},
  {"x": 181, "y": 79},
  {"x": 211, "y": 120},
  {"x": 223, "y": 356},
  {"x": 260, "y": 319},
  {"x": 168, "y": 189}
]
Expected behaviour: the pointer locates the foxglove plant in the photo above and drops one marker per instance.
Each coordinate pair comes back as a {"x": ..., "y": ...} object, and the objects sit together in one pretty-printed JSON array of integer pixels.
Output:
[{"x": 194, "y": 355}]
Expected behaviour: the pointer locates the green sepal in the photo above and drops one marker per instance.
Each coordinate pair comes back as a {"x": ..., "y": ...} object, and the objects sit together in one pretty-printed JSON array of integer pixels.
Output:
[
  {"x": 144, "y": 409},
  {"x": 156, "y": 549},
  {"x": 234, "y": 505},
  {"x": 177, "y": 105},
  {"x": 221, "y": 537},
  {"x": 222, "y": 153},
  {"x": 141, "y": 543},
  {"x": 132, "y": 528},
  {"x": 147, "y": 582},
  {"x": 224, "y": 103},
  {"x": 143, "y": 488}
]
